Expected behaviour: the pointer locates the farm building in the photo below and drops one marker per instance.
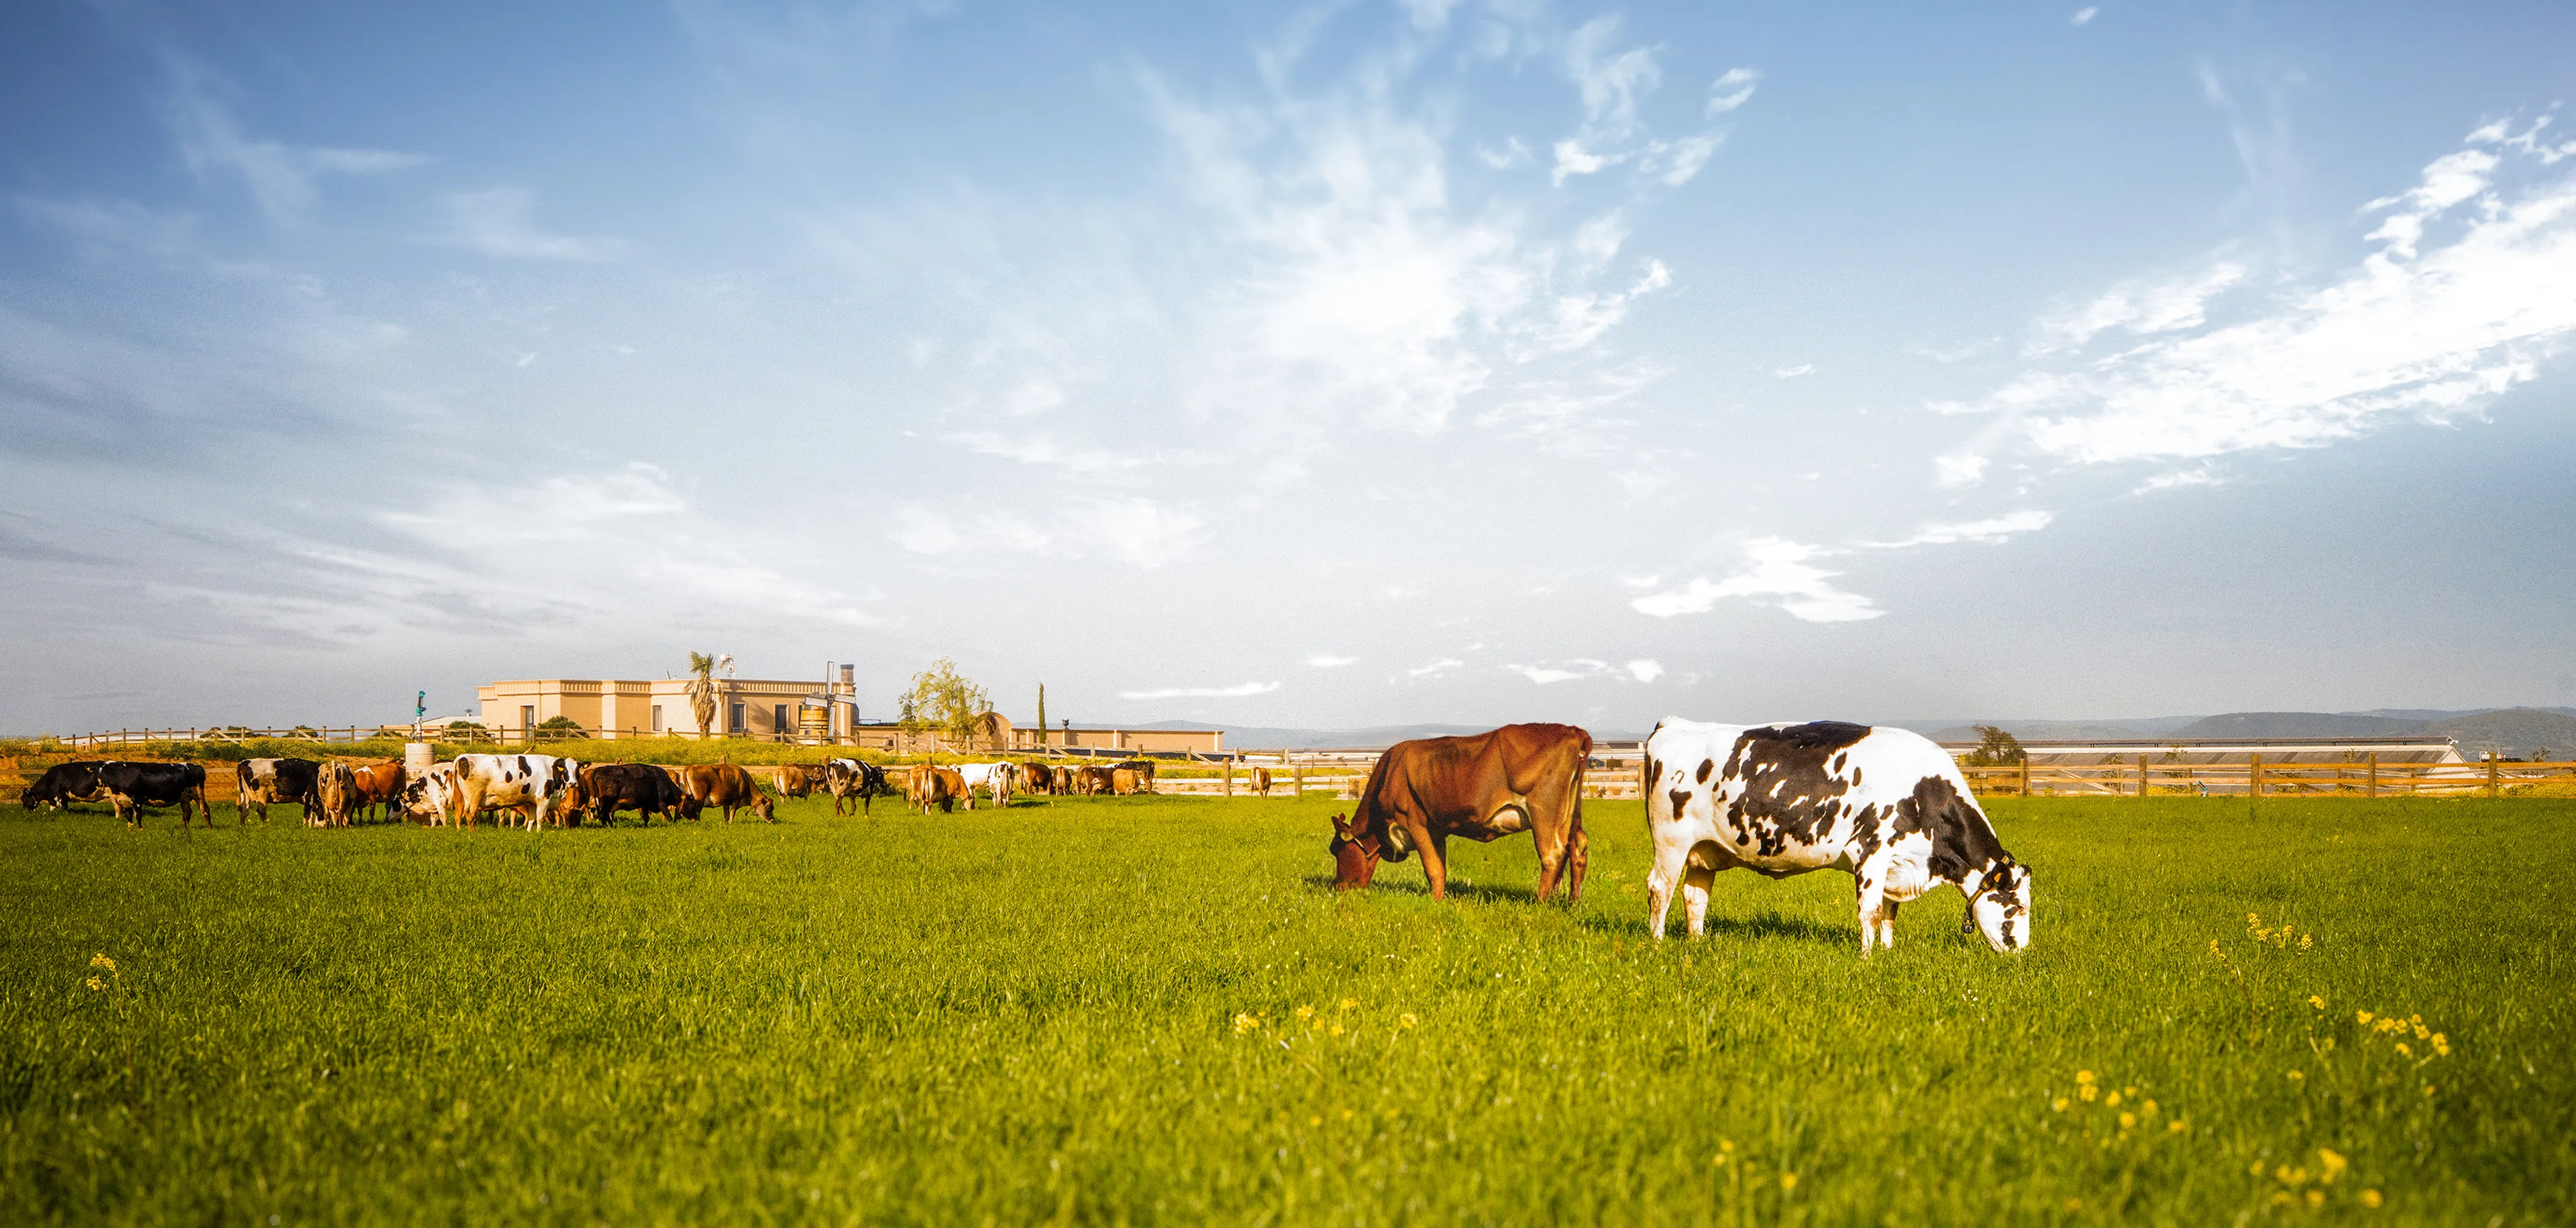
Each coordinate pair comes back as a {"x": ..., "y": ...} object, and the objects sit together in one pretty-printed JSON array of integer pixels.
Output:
[{"x": 773, "y": 709}]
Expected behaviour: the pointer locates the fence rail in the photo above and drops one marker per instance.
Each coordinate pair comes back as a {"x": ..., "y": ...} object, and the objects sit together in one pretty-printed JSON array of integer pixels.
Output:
[{"x": 1616, "y": 774}]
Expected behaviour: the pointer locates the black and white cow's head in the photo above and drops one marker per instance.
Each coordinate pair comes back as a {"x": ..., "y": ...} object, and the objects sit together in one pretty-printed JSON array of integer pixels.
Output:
[{"x": 2000, "y": 904}]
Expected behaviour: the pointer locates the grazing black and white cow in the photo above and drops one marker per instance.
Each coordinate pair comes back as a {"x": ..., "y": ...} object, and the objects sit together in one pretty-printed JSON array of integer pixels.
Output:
[
  {"x": 132, "y": 786},
  {"x": 1886, "y": 804},
  {"x": 266, "y": 782},
  {"x": 849, "y": 778},
  {"x": 508, "y": 781},
  {"x": 63, "y": 784}
]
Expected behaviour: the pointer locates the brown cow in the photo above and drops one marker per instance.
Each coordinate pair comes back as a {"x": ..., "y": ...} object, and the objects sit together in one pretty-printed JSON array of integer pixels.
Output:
[
  {"x": 338, "y": 790},
  {"x": 1095, "y": 780},
  {"x": 1260, "y": 782},
  {"x": 1041, "y": 778},
  {"x": 1516, "y": 778},
  {"x": 1123, "y": 781},
  {"x": 380, "y": 784},
  {"x": 926, "y": 785},
  {"x": 796, "y": 781},
  {"x": 722, "y": 785}
]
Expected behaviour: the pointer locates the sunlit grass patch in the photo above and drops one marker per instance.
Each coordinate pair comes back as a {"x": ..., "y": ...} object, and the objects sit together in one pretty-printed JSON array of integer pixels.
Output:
[{"x": 1155, "y": 1010}]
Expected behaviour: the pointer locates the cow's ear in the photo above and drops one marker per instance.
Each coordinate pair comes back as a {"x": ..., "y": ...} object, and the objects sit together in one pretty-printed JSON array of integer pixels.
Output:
[{"x": 1340, "y": 825}]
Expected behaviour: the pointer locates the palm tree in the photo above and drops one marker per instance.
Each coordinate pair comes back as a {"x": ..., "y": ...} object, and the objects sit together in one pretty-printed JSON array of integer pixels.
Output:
[{"x": 702, "y": 687}]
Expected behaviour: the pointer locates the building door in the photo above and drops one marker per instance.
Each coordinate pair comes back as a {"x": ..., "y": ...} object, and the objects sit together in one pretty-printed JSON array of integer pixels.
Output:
[
  {"x": 527, "y": 716},
  {"x": 734, "y": 720},
  {"x": 778, "y": 721}
]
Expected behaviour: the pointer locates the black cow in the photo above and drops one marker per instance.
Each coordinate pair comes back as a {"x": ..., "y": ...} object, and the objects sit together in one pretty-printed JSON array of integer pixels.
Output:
[
  {"x": 132, "y": 786},
  {"x": 641, "y": 787},
  {"x": 263, "y": 782},
  {"x": 63, "y": 784}
]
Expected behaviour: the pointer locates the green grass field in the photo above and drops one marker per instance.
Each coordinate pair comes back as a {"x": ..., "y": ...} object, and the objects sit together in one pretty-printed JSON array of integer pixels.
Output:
[{"x": 1154, "y": 1011}]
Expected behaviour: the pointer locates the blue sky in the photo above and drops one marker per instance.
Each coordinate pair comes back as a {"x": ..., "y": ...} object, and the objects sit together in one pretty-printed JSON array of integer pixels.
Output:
[{"x": 1323, "y": 366}]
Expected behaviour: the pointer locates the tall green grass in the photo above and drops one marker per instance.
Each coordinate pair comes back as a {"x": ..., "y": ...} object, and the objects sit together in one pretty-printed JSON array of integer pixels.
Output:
[{"x": 1155, "y": 1011}]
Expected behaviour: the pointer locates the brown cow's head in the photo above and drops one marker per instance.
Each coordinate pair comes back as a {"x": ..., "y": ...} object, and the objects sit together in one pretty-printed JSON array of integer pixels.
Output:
[{"x": 1355, "y": 855}]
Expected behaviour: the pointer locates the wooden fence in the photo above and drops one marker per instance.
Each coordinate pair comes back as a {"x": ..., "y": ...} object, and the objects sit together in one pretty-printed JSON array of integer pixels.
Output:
[{"x": 1343, "y": 773}]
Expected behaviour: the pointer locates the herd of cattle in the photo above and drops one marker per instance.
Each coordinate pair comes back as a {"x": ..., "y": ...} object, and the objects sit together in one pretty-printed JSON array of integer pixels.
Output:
[
  {"x": 1885, "y": 805},
  {"x": 532, "y": 790}
]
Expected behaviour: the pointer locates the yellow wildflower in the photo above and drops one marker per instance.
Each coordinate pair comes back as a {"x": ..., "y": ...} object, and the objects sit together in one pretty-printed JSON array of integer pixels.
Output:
[
  {"x": 1245, "y": 1023},
  {"x": 2441, "y": 1044},
  {"x": 95, "y": 983},
  {"x": 2361, "y": 1016},
  {"x": 2131, "y": 1091},
  {"x": 2088, "y": 1091},
  {"x": 2416, "y": 1019},
  {"x": 1788, "y": 1181},
  {"x": 2316, "y": 1198},
  {"x": 2058, "y": 1105},
  {"x": 1334, "y": 1030},
  {"x": 2306, "y": 941},
  {"x": 2177, "y": 1125},
  {"x": 2084, "y": 1076},
  {"x": 1726, "y": 1145},
  {"x": 2150, "y": 1109},
  {"x": 102, "y": 961},
  {"x": 2316, "y": 1001},
  {"x": 1407, "y": 1019},
  {"x": 2296, "y": 1077},
  {"x": 2428, "y": 1089},
  {"x": 2256, "y": 1170},
  {"x": 2370, "y": 1199},
  {"x": 1348, "y": 1003},
  {"x": 2128, "y": 1120},
  {"x": 2112, "y": 1100},
  {"x": 2332, "y": 1162},
  {"x": 1305, "y": 1012}
]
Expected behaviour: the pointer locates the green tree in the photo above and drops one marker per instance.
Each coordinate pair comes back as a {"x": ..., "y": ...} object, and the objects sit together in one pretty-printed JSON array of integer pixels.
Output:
[
  {"x": 561, "y": 727},
  {"x": 944, "y": 701},
  {"x": 1996, "y": 748},
  {"x": 702, "y": 686},
  {"x": 1042, "y": 732}
]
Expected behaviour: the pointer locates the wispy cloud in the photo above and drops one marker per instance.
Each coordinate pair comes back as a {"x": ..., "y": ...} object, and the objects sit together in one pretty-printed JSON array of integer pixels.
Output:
[
  {"x": 496, "y": 222},
  {"x": 2084, "y": 16},
  {"x": 1991, "y": 531},
  {"x": 1777, "y": 573},
  {"x": 2454, "y": 308},
  {"x": 284, "y": 179},
  {"x": 1804, "y": 368},
  {"x": 1328, "y": 661},
  {"x": 1203, "y": 692},
  {"x": 1612, "y": 80},
  {"x": 1580, "y": 668},
  {"x": 1434, "y": 669}
]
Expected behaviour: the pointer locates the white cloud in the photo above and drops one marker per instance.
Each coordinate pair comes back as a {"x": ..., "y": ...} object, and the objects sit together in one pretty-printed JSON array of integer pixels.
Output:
[
  {"x": 1731, "y": 90},
  {"x": 1139, "y": 532},
  {"x": 1645, "y": 671},
  {"x": 1960, "y": 469},
  {"x": 1804, "y": 368},
  {"x": 283, "y": 178},
  {"x": 496, "y": 223},
  {"x": 923, "y": 531},
  {"x": 1991, "y": 531},
  {"x": 1328, "y": 661},
  {"x": 2160, "y": 308},
  {"x": 1435, "y": 668},
  {"x": 1587, "y": 667},
  {"x": 2084, "y": 15},
  {"x": 2198, "y": 475},
  {"x": 2428, "y": 327},
  {"x": 1188, "y": 692},
  {"x": 1777, "y": 573},
  {"x": 1641, "y": 581},
  {"x": 1036, "y": 450}
]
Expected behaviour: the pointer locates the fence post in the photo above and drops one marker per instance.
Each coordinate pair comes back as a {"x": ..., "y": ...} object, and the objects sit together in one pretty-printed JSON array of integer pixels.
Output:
[
  {"x": 1298, "y": 772},
  {"x": 2371, "y": 789},
  {"x": 1229, "y": 778},
  {"x": 2142, "y": 775},
  {"x": 2025, "y": 774},
  {"x": 2495, "y": 765},
  {"x": 2254, "y": 776}
]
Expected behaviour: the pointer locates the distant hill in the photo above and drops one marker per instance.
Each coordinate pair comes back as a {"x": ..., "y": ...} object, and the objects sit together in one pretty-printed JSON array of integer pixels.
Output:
[
  {"x": 2251, "y": 725},
  {"x": 2516, "y": 732},
  {"x": 2043, "y": 731}
]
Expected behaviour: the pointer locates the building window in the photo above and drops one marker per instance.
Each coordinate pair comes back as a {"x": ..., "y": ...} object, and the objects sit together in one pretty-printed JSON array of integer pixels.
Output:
[
  {"x": 778, "y": 722},
  {"x": 737, "y": 718},
  {"x": 527, "y": 716},
  {"x": 657, "y": 718}
]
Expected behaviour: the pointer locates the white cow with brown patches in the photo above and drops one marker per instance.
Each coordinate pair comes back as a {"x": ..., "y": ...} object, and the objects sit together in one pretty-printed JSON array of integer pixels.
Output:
[{"x": 1885, "y": 804}]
